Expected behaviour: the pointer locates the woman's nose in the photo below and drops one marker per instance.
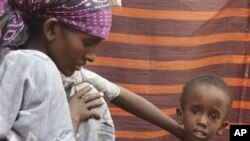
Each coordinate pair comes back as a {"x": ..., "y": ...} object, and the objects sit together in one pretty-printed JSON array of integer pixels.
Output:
[{"x": 90, "y": 57}]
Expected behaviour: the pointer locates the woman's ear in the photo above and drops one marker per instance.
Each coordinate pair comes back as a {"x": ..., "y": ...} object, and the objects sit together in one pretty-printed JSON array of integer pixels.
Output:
[
  {"x": 179, "y": 115},
  {"x": 223, "y": 126},
  {"x": 49, "y": 28}
]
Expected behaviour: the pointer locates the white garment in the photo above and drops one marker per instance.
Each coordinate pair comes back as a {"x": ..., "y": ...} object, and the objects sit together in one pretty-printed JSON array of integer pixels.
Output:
[
  {"x": 33, "y": 103},
  {"x": 94, "y": 130}
]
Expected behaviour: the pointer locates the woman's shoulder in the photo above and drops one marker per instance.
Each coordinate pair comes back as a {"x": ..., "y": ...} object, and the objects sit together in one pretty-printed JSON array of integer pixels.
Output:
[
  {"x": 27, "y": 54},
  {"x": 27, "y": 57},
  {"x": 29, "y": 60}
]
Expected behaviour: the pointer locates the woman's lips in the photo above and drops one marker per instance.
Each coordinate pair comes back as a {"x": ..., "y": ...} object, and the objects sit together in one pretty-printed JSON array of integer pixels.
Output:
[{"x": 78, "y": 67}]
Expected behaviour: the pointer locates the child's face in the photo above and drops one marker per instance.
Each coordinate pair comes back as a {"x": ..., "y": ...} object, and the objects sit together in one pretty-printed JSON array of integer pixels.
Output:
[
  {"x": 204, "y": 112},
  {"x": 71, "y": 49}
]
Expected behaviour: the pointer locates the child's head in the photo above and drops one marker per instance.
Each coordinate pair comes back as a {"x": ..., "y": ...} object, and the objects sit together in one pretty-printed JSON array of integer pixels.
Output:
[
  {"x": 205, "y": 104},
  {"x": 68, "y": 31}
]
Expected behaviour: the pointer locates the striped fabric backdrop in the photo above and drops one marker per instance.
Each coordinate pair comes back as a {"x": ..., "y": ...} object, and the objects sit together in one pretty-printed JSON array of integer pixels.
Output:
[{"x": 155, "y": 46}]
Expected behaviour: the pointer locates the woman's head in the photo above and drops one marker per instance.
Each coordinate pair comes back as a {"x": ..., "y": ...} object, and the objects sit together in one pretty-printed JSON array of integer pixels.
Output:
[
  {"x": 90, "y": 16},
  {"x": 86, "y": 22},
  {"x": 69, "y": 48}
]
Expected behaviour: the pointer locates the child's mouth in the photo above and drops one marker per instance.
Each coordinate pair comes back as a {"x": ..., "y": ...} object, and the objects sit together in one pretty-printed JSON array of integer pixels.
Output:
[{"x": 199, "y": 134}]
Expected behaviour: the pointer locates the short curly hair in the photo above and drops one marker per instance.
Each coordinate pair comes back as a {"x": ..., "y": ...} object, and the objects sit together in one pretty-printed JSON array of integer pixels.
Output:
[{"x": 208, "y": 79}]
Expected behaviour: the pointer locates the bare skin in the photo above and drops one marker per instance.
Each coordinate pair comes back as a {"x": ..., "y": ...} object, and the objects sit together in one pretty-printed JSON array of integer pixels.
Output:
[
  {"x": 80, "y": 105},
  {"x": 203, "y": 115}
]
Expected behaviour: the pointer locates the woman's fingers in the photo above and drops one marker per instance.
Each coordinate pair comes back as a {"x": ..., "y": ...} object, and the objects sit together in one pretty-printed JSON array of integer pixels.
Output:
[
  {"x": 92, "y": 96},
  {"x": 95, "y": 115},
  {"x": 94, "y": 103},
  {"x": 83, "y": 91},
  {"x": 81, "y": 103}
]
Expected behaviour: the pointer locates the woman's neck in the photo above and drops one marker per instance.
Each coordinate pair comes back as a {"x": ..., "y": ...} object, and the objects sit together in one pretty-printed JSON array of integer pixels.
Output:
[{"x": 37, "y": 44}]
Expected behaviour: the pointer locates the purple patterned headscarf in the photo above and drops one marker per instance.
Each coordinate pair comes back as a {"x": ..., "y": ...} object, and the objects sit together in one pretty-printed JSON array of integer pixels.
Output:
[{"x": 90, "y": 16}]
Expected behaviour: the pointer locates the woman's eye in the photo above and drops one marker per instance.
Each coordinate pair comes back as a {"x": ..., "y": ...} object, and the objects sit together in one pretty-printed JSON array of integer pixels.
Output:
[
  {"x": 88, "y": 43},
  {"x": 214, "y": 116}
]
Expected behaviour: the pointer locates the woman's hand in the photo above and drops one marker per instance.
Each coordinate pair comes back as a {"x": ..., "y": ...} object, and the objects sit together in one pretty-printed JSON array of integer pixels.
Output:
[{"x": 80, "y": 105}]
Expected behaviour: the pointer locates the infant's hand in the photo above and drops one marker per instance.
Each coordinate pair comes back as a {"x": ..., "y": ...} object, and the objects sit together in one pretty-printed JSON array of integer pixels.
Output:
[{"x": 80, "y": 104}]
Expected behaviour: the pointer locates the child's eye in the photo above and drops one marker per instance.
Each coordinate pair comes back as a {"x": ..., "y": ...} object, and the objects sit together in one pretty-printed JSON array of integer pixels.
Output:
[
  {"x": 195, "y": 111},
  {"x": 214, "y": 116}
]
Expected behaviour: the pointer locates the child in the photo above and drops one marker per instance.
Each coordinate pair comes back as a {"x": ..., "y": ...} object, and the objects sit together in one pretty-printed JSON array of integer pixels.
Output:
[{"x": 205, "y": 104}]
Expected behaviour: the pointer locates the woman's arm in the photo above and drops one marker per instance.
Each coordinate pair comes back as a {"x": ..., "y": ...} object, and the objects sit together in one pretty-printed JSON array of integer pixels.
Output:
[
  {"x": 142, "y": 108},
  {"x": 11, "y": 92}
]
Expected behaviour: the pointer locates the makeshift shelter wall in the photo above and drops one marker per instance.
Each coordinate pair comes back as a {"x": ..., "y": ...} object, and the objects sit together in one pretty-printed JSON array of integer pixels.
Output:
[{"x": 155, "y": 46}]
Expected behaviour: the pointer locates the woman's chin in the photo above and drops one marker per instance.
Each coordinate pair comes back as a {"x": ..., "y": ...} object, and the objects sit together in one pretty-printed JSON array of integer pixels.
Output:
[{"x": 68, "y": 73}]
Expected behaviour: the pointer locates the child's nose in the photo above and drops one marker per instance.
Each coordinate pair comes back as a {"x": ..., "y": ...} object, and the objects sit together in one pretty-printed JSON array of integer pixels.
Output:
[{"x": 202, "y": 121}]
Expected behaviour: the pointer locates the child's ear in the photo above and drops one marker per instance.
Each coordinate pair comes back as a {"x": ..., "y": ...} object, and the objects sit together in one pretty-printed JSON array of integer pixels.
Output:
[
  {"x": 223, "y": 126},
  {"x": 49, "y": 28},
  {"x": 179, "y": 115}
]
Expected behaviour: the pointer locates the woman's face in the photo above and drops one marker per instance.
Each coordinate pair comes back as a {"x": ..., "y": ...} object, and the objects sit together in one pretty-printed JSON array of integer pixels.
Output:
[{"x": 71, "y": 49}]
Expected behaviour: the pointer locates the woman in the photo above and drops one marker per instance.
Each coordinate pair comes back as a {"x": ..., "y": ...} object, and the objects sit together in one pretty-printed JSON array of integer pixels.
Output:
[{"x": 55, "y": 35}]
